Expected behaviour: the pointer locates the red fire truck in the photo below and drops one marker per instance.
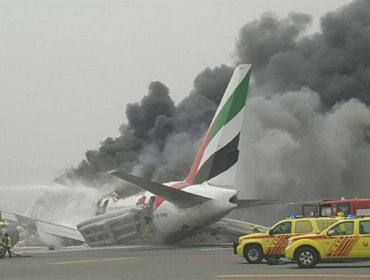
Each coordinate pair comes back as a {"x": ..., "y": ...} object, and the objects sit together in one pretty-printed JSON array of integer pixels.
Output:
[{"x": 331, "y": 208}]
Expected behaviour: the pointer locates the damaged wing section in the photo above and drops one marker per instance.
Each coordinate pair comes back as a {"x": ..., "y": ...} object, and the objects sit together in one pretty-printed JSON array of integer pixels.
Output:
[
  {"x": 225, "y": 231},
  {"x": 235, "y": 228},
  {"x": 178, "y": 197},
  {"x": 67, "y": 234}
]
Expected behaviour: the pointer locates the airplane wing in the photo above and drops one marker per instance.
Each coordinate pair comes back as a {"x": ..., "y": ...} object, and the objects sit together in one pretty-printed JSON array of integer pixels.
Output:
[
  {"x": 39, "y": 226},
  {"x": 180, "y": 198},
  {"x": 235, "y": 228},
  {"x": 245, "y": 203},
  {"x": 225, "y": 231}
]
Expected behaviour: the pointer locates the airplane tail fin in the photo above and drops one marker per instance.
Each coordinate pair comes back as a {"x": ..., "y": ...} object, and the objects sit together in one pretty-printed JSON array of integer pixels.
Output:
[{"x": 216, "y": 161}]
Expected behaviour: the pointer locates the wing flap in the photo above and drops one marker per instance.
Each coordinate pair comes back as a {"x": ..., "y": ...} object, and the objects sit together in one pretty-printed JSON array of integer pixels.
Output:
[{"x": 178, "y": 197}]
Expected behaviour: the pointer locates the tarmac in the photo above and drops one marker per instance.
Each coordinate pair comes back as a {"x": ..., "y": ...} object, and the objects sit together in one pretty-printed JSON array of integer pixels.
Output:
[{"x": 144, "y": 262}]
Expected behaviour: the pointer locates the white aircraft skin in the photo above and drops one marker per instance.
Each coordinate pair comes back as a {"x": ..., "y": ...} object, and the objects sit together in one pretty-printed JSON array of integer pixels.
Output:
[{"x": 169, "y": 222}]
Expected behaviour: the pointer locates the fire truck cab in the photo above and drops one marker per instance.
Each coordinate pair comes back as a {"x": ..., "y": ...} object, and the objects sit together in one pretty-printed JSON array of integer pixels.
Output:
[{"x": 332, "y": 208}]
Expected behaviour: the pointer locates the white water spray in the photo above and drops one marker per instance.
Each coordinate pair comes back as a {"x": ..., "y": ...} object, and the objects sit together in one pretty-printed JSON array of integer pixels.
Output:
[{"x": 53, "y": 203}]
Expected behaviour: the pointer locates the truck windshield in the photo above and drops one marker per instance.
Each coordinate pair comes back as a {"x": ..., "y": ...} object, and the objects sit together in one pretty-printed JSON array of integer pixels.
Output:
[
  {"x": 282, "y": 228},
  {"x": 325, "y": 211},
  {"x": 345, "y": 228},
  {"x": 344, "y": 208}
]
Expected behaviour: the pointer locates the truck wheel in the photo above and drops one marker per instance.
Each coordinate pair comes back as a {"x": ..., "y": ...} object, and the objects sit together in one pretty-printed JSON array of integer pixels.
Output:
[
  {"x": 306, "y": 257},
  {"x": 253, "y": 254}
]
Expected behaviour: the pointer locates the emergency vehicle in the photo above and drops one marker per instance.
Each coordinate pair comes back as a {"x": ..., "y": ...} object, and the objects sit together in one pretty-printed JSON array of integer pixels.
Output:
[
  {"x": 347, "y": 239},
  {"x": 271, "y": 244},
  {"x": 331, "y": 208}
]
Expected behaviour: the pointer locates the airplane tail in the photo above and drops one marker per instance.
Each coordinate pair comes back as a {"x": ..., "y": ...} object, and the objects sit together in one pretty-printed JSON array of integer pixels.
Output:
[{"x": 216, "y": 161}]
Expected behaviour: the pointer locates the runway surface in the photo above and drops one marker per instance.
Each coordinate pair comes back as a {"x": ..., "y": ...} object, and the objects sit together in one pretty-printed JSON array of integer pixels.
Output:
[{"x": 162, "y": 263}]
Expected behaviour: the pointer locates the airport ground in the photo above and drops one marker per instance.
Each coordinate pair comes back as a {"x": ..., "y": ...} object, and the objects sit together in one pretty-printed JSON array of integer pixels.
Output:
[{"x": 161, "y": 263}]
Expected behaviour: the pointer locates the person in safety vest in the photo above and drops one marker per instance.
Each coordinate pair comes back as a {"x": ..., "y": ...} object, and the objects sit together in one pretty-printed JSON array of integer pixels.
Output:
[
  {"x": 7, "y": 244},
  {"x": 340, "y": 214},
  {"x": 2, "y": 221}
]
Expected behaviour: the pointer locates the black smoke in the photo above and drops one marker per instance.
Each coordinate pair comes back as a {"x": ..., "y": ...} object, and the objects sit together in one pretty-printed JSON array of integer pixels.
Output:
[
  {"x": 159, "y": 138},
  {"x": 307, "y": 129},
  {"x": 334, "y": 62},
  {"x": 306, "y": 132}
]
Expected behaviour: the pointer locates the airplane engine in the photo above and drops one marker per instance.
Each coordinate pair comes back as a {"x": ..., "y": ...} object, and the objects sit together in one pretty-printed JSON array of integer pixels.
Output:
[{"x": 120, "y": 227}]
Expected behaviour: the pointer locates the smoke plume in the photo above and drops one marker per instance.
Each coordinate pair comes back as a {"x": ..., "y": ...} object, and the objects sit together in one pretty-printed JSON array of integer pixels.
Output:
[
  {"x": 307, "y": 121},
  {"x": 159, "y": 139},
  {"x": 292, "y": 147},
  {"x": 334, "y": 62},
  {"x": 308, "y": 128}
]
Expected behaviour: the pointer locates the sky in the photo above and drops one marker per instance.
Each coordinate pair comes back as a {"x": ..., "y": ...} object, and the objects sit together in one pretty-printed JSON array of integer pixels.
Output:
[{"x": 69, "y": 68}]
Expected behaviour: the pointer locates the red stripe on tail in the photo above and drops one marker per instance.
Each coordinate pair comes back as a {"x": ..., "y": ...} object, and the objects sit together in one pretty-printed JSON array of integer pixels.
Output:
[{"x": 194, "y": 168}]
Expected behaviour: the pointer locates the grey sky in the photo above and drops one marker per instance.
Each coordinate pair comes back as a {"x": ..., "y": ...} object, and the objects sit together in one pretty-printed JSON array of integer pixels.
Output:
[{"x": 68, "y": 68}]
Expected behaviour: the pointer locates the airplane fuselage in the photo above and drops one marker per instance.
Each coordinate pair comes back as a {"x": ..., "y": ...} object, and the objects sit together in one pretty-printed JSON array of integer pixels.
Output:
[
  {"x": 172, "y": 223},
  {"x": 169, "y": 223}
]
